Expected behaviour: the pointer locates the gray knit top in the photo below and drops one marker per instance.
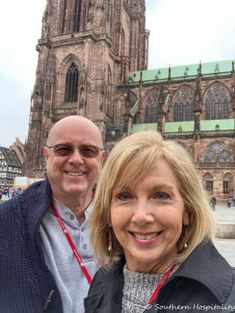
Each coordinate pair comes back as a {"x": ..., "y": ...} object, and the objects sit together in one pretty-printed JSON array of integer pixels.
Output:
[{"x": 138, "y": 288}]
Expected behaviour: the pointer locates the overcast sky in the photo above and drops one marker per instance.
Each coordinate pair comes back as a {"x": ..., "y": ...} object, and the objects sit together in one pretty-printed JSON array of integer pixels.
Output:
[{"x": 181, "y": 32}]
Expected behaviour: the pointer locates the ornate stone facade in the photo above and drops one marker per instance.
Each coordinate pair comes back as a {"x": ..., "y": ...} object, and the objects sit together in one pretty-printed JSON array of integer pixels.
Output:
[
  {"x": 194, "y": 105},
  {"x": 86, "y": 50},
  {"x": 92, "y": 61}
]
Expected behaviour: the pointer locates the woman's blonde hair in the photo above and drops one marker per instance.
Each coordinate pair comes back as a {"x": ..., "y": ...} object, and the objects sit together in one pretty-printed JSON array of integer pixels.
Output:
[{"x": 127, "y": 163}]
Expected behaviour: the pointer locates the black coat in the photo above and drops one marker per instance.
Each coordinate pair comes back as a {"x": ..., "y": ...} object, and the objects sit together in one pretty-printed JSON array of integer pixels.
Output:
[
  {"x": 26, "y": 284},
  {"x": 204, "y": 279}
]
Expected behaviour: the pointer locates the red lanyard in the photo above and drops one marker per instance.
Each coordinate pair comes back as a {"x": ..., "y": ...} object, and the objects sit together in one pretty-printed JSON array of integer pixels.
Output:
[
  {"x": 160, "y": 284},
  {"x": 72, "y": 246}
]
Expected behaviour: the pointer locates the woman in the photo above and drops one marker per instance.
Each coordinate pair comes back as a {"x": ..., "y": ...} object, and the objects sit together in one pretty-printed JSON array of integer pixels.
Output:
[{"x": 152, "y": 219}]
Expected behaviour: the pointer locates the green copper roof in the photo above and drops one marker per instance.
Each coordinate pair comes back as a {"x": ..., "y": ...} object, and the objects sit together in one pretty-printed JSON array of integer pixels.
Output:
[
  {"x": 170, "y": 127},
  {"x": 183, "y": 71},
  {"x": 179, "y": 127},
  {"x": 188, "y": 126},
  {"x": 211, "y": 125},
  {"x": 141, "y": 127}
]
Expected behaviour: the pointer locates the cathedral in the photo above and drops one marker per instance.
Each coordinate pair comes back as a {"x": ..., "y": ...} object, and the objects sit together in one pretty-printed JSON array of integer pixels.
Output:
[{"x": 92, "y": 61}]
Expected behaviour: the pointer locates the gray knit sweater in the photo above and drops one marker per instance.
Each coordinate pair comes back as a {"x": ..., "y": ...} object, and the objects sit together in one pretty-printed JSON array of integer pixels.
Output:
[{"x": 138, "y": 287}]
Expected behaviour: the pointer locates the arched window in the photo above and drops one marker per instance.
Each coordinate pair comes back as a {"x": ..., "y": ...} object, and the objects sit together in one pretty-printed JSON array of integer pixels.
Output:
[
  {"x": 183, "y": 104},
  {"x": 109, "y": 107},
  {"x": 119, "y": 112},
  {"x": 216, "y": 102},
  {"x": 188, "y": 107},
  {"x": 122, "y": 43},
  {"x": 178, "y": 111},
  {"x": 48, "y": 91},
  {"x": 227, "y": 184},
  {"x": 151, "y": 106},
  {"x": 71, "y": 84},
  {"x": 77, "y": 15},
  {"x": 208, "y": 183},
  {"x": 64, "y": 16},
  {"x": 217, "y": 152},
  {"x": 224, "y": 156}
]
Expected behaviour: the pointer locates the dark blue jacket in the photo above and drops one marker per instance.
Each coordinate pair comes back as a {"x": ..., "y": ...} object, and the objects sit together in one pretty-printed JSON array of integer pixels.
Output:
[
  {"x": 203, "y": 283},
  {"x": 26, "y": 284}
]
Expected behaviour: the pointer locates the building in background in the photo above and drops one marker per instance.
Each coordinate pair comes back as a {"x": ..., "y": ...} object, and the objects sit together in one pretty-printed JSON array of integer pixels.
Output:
[
  {"x": 86, "y": 50},
  {"x": 23, "y": 182},
  {"x": 19, "y": 149},
  {"x": 92, "y": 61},
  {"x": 10, "y": 167},
  {"x": 195, "y": 106}
]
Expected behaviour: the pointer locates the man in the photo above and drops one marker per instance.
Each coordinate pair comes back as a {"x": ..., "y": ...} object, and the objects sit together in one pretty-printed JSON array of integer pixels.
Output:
[{"x": 46, "y": 262}]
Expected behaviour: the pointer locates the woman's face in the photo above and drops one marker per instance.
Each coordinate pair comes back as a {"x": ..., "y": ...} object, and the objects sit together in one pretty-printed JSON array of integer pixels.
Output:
[{"x": 147, "y": 219}]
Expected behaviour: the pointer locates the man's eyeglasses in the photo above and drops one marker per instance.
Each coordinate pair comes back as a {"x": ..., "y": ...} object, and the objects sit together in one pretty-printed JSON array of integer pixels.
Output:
[{"x": 66, "y": 150}]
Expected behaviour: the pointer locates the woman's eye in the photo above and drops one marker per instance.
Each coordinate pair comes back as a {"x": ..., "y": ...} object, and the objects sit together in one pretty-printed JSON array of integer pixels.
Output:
[
  {"x": 161, "y": 196},
  {"x": 124, "y": 196}
]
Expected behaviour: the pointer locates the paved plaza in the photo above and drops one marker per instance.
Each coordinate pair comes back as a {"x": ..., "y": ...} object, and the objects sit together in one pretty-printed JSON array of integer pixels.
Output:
[{"x": 226, "y": 246}]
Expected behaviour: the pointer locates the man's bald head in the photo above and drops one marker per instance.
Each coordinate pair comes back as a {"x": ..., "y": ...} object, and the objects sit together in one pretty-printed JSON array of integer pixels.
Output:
[
  {"x": 73, "y": 175},
  {"x": 74, "y": 123}
]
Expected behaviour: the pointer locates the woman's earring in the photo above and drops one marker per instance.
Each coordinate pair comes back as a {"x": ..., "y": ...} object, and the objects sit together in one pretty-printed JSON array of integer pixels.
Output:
[
  {"x": 185, "y": 235},
  {"x": 110, "y": 244}
]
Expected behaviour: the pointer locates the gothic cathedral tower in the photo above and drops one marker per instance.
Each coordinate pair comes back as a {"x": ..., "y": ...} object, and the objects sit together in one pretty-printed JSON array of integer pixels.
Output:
[{"x": 86, "y": 50}]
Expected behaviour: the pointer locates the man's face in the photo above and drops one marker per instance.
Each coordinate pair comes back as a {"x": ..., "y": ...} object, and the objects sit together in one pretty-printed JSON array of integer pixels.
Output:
[{"x": 73, "y": 175}]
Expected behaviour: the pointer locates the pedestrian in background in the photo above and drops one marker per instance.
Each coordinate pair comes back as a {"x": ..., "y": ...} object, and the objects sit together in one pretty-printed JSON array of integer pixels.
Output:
[
  {"x": 213, "y": 202},
  {"x": 229, "y": 201},
  {"x": 46, "y": 261}
]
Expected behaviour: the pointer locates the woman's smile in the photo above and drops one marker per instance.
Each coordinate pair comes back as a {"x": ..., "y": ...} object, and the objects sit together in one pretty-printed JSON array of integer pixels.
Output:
[
  {"x": 145, "y": 239},
  {"x": 147, "y": 218}
]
